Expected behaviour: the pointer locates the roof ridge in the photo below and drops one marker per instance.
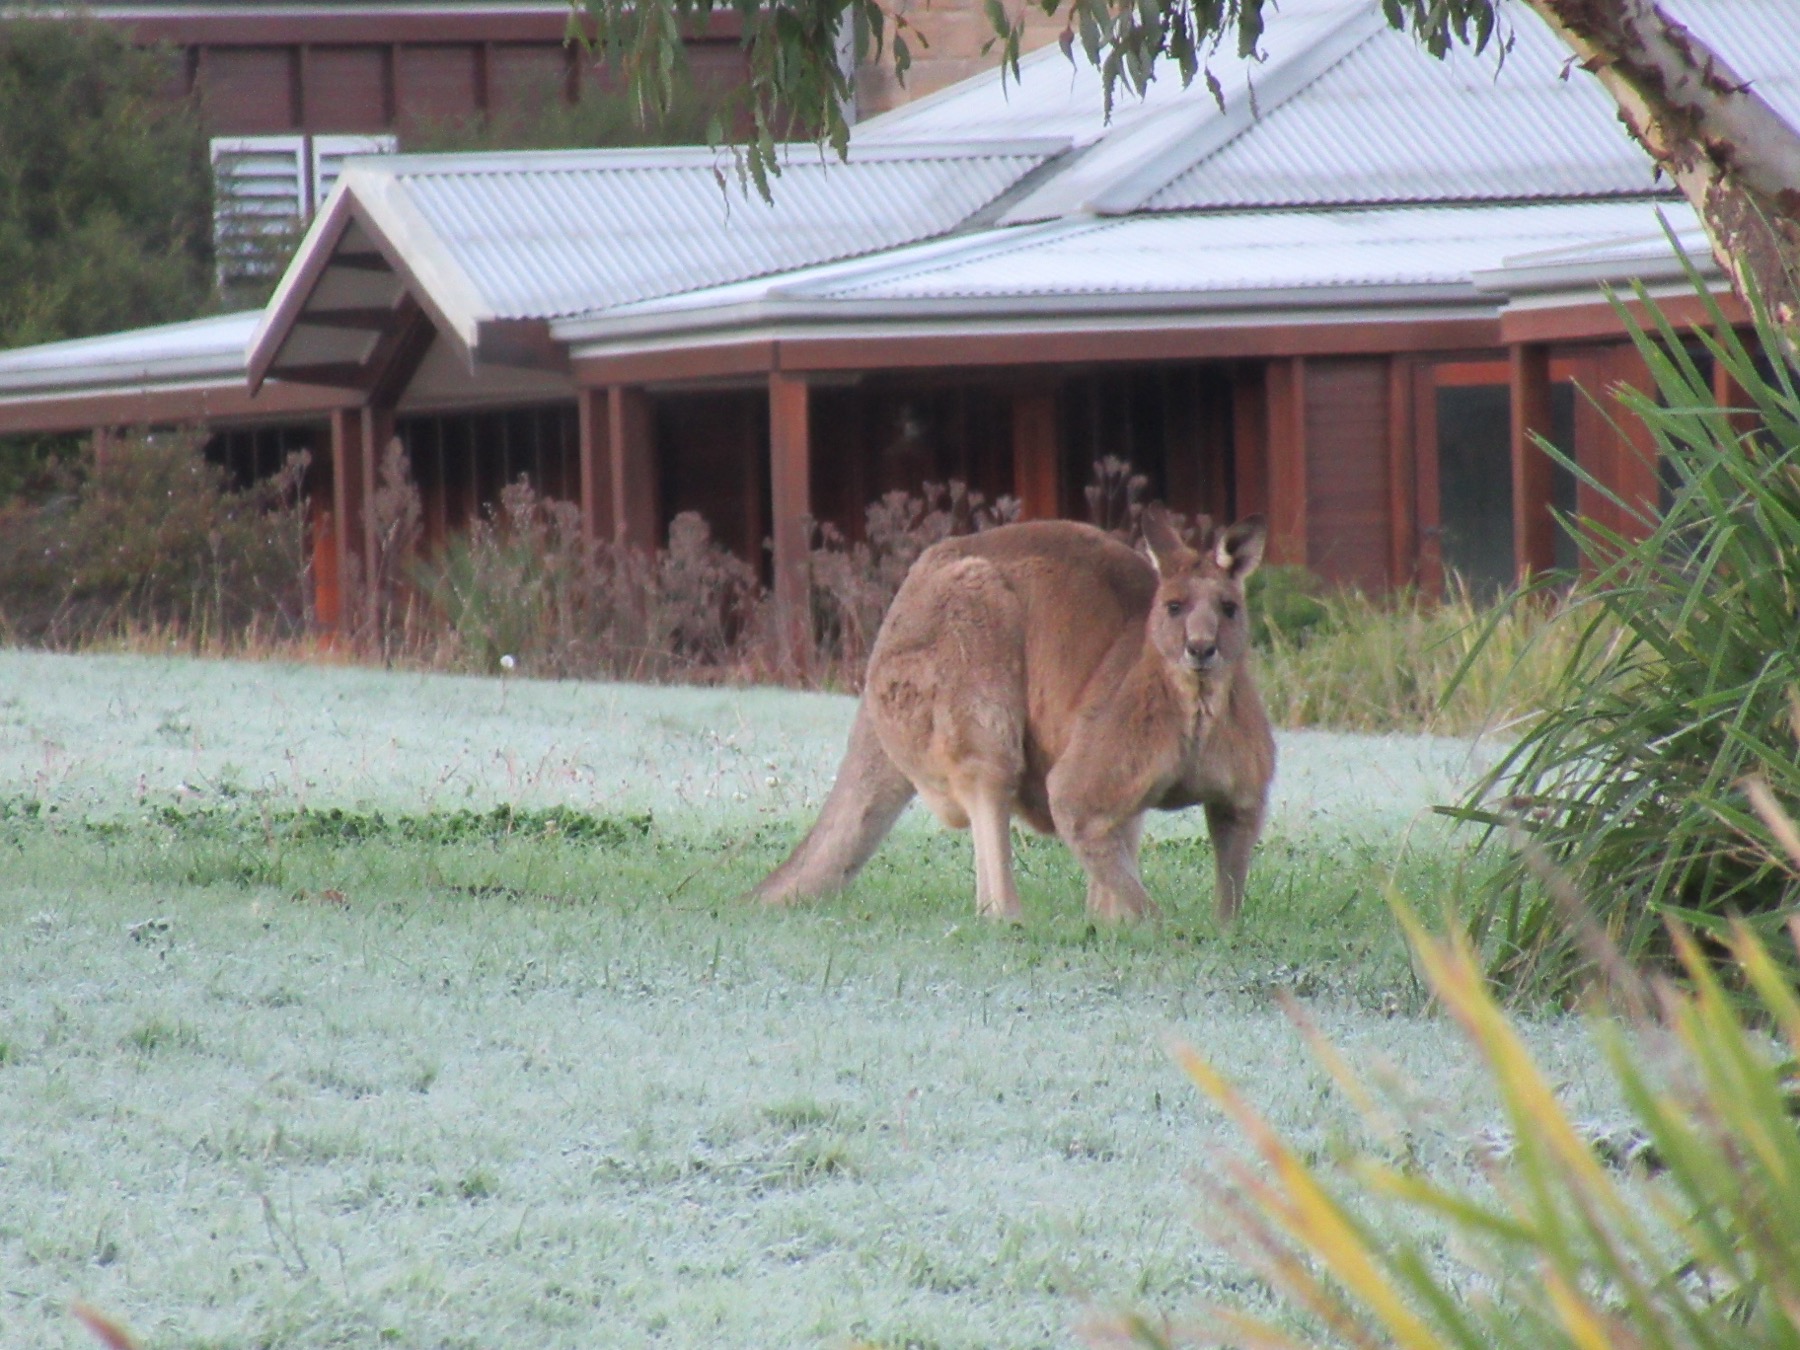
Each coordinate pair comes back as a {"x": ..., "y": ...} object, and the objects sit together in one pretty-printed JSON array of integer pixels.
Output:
[
  {"x": 794, "y": 154},
  {"x": 1129, "y": 164},
  {"x": 1127, "y": 193}
]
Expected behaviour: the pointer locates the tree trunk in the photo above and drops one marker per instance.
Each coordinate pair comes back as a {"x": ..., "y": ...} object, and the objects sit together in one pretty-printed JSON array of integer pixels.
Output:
[{"x": 1729, "y": 152}]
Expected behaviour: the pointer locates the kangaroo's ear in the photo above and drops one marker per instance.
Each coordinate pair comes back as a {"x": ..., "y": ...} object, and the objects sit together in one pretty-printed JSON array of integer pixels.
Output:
[
  {"x": 1239, "y": 550},
  {"x": 1167, "y": 552}
]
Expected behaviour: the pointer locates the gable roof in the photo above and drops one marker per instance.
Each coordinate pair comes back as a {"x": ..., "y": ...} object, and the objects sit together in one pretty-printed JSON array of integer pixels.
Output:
[
  {"x": 1344, "y": 110},
  {"x": 491, "y": 244}
]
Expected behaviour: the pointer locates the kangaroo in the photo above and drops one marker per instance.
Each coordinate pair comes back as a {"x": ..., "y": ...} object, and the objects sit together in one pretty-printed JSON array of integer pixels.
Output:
[{"x": 1048, "y": 671}]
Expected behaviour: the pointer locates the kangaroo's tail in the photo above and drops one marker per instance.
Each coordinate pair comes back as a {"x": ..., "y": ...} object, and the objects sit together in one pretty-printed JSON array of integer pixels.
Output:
[{"x": 868, "y": 797}]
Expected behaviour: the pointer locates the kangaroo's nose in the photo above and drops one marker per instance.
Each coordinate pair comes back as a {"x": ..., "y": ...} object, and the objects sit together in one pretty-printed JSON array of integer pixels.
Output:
[{"x": 1203, "y": 653}]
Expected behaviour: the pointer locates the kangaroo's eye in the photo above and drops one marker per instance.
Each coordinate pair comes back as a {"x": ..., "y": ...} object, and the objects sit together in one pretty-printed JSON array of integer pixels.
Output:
[
  {"x": 1229, "y": 609},
  {"x": 1174, "y": 608}
]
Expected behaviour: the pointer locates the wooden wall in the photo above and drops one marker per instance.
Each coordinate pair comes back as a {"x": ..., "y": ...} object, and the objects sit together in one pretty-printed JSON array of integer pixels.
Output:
[
  {"x": 462, "y": 462},
  {"x": 1347, "y": 488},
  {"x": 712, "y": 453},
  {"x": 375, "y": 71}
]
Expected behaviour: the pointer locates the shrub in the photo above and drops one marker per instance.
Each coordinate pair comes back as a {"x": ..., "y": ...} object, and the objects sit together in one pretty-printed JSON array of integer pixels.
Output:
[
  {"x": 1683, "y": 662},
  {"x": 151, "y": 538}
]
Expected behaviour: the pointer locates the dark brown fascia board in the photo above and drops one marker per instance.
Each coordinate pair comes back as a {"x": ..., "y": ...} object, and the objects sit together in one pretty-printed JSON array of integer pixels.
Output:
[
  {"x": 523, "y": 344},
  {"x": 1599, "y": 319},
  {"x": 230, "y": 402},
  {"x": 344, "y": 375},
  {"x": 399, "y": 353},
  {"x": 243, "y": 26},
  {"x": 836, "y": 355},
  {"x": 724, "y": 360}
]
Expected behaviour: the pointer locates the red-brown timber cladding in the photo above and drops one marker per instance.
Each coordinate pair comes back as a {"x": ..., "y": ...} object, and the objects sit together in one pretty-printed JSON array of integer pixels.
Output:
[
  {"x": 373, "y": 71},
  {"x": 1347, "y": 470},
  {"x": 1403, "y": 447},
  {"x": 1250, "y": 439}
]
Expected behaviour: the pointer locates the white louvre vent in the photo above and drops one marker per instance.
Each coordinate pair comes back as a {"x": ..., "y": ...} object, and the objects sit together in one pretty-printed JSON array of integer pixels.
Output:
[{"x": 265, "y": 190}]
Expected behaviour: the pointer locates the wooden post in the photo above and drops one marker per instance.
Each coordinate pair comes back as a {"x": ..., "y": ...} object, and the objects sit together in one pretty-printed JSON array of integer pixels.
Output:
[
  {"x": 1287, "y": 461},
  {"x": 101, "y": 442},
  {"x": 1403, "y": 476},
  {"x": 1596, "y": 444},
  {"x": 1637, "y": 462},
  {"x": 1533, "y": 472},
  {"x": 1428, "y": 500},
  {"x": 594, "y": 465},
  {"x": 1037, "y": 453},
  {"x": 636, "y": 511},
  {"x": 790, "y": 502}
]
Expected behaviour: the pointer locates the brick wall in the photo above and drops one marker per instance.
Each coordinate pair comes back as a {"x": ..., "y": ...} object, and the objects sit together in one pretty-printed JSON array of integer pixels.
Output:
[{"x": 956, "y": 31}]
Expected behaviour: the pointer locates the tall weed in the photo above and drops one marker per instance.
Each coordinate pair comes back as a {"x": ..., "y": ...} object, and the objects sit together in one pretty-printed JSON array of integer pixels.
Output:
[{"x": 524, "y": 583}]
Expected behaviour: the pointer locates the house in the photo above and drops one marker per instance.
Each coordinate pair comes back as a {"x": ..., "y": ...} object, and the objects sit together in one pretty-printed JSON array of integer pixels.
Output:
[{"x": 1347, "y": 299}]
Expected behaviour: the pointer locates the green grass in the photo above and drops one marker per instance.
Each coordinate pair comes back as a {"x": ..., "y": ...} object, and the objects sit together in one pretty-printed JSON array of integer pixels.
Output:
[{"x": 308, "y": 1044}]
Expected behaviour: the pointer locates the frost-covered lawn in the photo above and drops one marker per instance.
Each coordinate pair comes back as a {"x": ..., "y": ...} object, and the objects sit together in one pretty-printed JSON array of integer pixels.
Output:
[{"x": 264, "y": 1086}]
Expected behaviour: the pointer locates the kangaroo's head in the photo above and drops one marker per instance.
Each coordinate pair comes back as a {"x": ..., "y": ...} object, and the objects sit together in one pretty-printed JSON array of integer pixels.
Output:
[{"x": 1198, "y": 622}]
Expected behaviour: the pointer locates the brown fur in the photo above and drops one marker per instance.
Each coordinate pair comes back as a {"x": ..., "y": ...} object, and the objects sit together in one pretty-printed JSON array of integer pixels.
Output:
[{"x": 1048, "y": 671}]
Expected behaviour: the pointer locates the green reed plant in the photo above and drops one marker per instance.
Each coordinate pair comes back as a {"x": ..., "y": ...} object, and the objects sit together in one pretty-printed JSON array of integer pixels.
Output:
[{"x": 1683, "y": 658}]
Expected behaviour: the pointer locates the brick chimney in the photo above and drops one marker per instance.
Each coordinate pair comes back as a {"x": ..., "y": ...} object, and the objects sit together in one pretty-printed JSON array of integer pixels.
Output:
[{"x": 954, "y": 33}]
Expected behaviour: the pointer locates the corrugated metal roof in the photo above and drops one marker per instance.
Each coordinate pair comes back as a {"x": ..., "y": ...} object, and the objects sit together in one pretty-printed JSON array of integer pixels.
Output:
[
  {"x": 542, "y": 236},
  {"x": 207, "y": 350},
  {"x": 1221, "y": 262},
  {"x": 1389, "y": 124},
  {"x": 1347, "y": 111},
  {"x": 1054, "y": 97},
  {"x": 1242, "y": 252},
  {"x": 1759, "y": 39}
]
